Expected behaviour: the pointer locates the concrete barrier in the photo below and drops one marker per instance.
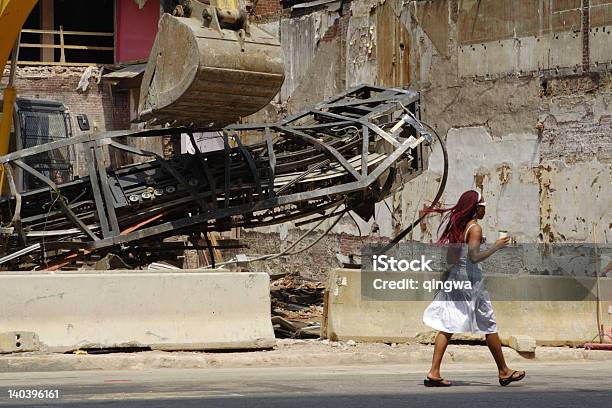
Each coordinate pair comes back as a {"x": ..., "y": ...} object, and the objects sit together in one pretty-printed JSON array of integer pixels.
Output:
[
  {"x": 174, "y": 310},
  {"x": 350, "y": 315}
]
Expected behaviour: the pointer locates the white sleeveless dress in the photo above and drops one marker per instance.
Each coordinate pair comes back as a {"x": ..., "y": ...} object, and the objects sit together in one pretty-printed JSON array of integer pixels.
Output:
[{"x": 463, "y": 311}]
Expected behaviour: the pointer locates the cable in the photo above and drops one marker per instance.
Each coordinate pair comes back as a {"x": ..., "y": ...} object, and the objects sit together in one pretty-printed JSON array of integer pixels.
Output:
[
  {"x": 355, "y": 222},
  {"x": 418, "y": 204},
  {"x": 44, "y": 250},
  {"x": 435, "y": 201},
  {"x": 391, "y": 212},
  {"x": 286, "y": 250},
  {"x": 317, "y": 240}
]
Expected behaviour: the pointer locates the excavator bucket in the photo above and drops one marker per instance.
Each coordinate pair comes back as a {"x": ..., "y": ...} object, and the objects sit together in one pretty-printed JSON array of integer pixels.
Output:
[{"x": 209, "y": 70}]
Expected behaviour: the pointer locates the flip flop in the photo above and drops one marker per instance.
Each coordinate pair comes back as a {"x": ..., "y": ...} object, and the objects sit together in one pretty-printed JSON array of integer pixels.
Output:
[
  {"x": 435, "y": 382},
  {"x": 505, "y": 381}
]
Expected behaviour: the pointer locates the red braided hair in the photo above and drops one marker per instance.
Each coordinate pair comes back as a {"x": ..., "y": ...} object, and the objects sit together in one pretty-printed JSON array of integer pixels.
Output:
[{"x": 457, "y": 217}]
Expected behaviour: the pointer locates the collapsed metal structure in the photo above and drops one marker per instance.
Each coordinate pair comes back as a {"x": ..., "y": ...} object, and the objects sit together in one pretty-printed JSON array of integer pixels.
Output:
[{"x": 350, "y": 151}]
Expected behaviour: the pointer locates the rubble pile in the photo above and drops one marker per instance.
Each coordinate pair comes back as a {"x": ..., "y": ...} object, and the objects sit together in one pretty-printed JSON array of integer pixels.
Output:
[{"x": 297, "y": 307}]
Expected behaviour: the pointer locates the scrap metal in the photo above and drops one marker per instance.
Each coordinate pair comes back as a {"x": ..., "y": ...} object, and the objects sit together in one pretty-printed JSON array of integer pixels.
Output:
[{"x": 353, "y": 150}]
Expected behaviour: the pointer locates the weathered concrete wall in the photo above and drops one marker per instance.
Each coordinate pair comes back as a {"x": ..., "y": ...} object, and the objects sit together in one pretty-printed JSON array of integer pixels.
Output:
[
  {"x": 312, "y": 55},
  {"x": 549, "y": 185},
  {"x": 577, "y": 118},
  {"x": 526, "y": 122},
  {"x": 361, "y": 44},
  {"x": 518, "y": 37},
  {"x": 476, "y": 160}
]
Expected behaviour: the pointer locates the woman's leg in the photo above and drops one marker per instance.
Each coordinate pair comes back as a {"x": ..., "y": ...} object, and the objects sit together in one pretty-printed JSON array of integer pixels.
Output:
[
  {"x": 442, "y": 340},
  {"x": 495, "y": 347}
]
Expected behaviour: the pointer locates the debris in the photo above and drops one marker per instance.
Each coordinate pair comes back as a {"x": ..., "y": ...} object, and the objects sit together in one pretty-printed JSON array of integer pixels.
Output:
[
  {"x": 277, "y": 275},
  {"x": 312, "y": 331},
  {"x": 110, "y": 262},
  {"x": 130, "y": 210},
  {"x": 350, "y": 261},
  {"x": 522, "y": 343},
  {"x": 160, "y": 266},
  {"x": 283, "y": 328},
  {"x": 84, "y": 81},
  {"x": 297, "y": 307},
  {"x": 297, "y": 298}
]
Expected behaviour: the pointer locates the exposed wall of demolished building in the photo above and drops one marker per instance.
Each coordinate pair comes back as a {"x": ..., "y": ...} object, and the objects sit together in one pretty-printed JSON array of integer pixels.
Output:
[{"x": 521, "y": 92}]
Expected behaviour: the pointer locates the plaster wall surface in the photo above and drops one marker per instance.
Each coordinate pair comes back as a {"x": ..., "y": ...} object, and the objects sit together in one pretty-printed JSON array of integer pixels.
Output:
[{"x": 502, "y": 85}]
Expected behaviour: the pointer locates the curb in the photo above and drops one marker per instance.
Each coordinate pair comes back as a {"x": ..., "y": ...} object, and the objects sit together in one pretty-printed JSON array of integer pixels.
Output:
[{"x": 294, "y": 354}]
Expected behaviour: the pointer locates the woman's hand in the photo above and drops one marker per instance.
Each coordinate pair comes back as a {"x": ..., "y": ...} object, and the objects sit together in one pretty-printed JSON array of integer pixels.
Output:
[
  {"x": 475, "y": 237},
  {"x": 501, "y": 243}
]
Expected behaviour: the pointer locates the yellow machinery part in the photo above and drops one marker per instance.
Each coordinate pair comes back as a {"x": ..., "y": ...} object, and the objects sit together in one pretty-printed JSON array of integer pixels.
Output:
[
  {"x": 226, "y": 4},
  {"x": 8, "y": 101},
  {"x": 13, "y": 14},
  {"x": 12, "y": 17}
]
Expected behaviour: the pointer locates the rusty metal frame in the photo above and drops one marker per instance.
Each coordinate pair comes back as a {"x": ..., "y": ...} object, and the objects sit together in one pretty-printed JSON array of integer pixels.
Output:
[{"x": 325, "y": 135}]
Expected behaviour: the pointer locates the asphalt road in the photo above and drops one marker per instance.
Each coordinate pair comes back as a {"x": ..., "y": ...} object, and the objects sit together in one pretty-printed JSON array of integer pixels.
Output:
[{"x": 547, "y": 385}]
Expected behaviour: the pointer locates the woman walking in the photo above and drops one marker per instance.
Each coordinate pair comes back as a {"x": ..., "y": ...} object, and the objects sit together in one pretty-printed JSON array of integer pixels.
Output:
[{"x": 466, "y": 311}]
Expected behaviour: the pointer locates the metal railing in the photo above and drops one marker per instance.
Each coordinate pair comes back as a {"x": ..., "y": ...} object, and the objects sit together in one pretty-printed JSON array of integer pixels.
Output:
[{"x": 62, "y": 46}]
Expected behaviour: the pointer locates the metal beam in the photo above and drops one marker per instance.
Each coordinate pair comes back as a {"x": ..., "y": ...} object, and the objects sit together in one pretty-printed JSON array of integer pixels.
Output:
[
  {"x": 212, "y": 182},
  {"x": 271, "y": 160},
  {"x": 60, "y": 199},
  {"x": 322, "y": 147},
  {"x": 249, "y": 159},
  {"x": 292, "y": 154},
  {"x": 95, "y": 188}
]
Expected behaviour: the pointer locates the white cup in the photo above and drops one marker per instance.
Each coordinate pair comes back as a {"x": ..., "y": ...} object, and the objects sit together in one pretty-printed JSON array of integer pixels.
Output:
[{"x": 503, "y": 234}]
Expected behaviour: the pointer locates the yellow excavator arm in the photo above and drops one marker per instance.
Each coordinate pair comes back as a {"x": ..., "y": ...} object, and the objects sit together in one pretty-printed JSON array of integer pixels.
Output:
[{"x": 13, "y": 14}]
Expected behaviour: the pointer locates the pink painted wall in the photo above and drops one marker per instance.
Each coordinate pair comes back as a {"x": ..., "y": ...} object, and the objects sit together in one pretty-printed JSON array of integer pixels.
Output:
[{"x": 136, "y": 29}]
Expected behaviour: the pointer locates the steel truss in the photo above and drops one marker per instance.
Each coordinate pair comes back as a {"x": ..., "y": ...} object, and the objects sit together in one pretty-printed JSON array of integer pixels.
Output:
[{"x": 353, "y": 149}]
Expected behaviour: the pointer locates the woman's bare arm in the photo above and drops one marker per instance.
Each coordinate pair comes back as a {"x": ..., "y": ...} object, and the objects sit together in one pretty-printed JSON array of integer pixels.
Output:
[
  {"x": 474, "y": 240},
  {"x": 607, "y": 269}
]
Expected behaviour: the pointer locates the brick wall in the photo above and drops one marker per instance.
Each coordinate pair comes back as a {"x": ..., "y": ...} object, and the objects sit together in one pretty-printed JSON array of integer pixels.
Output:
[
  {"x": 265, "y": 7},
  {"x": 106, "y": 110},
  {"x": 314, "y": 262},
  {"x": 332, "y": 32},
  {"x": 577, "y": 124},
  {"x": 585, "y": 35}
]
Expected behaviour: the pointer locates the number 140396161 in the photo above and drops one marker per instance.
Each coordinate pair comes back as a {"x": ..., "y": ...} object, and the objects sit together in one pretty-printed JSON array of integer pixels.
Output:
[{"x": 33, "y": 394}]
